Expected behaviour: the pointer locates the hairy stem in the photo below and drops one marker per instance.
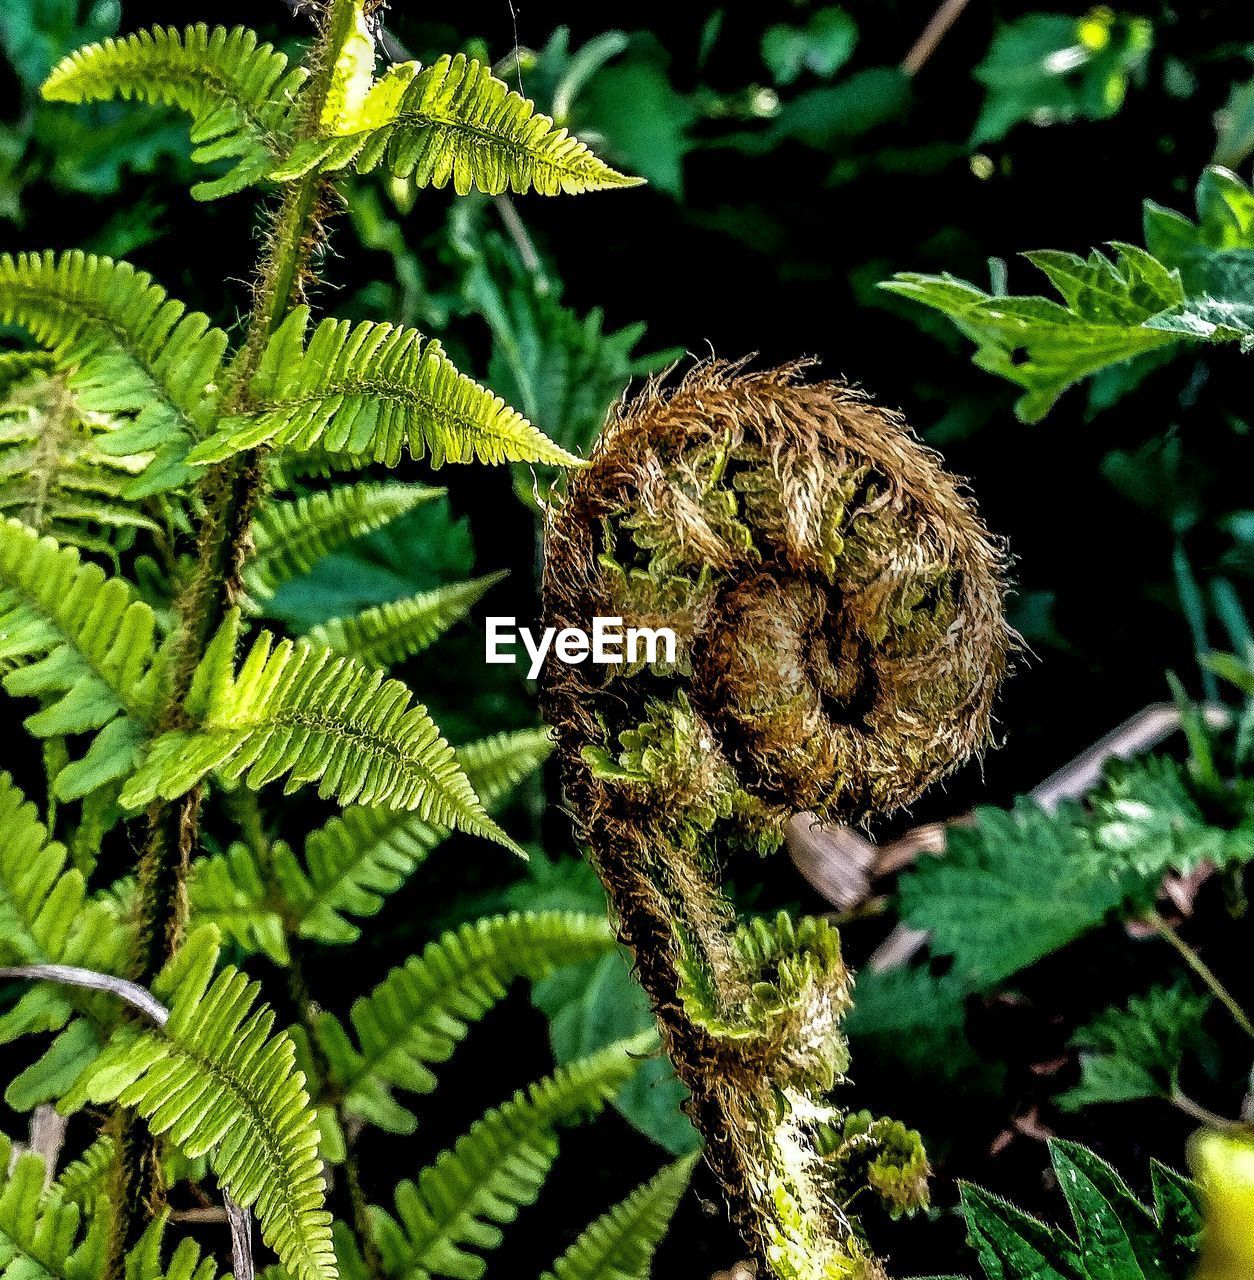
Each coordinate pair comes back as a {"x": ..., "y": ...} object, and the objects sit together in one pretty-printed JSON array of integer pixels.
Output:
[{"x": 229, "y": 494}]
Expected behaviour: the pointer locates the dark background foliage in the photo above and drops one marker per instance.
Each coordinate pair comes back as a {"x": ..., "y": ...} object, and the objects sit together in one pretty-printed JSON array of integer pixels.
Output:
[{"x": 766, "y": 234}]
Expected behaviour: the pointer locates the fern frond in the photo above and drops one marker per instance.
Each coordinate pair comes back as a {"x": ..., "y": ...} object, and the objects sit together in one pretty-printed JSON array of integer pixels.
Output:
[
  {"x": 82, "y": 643},
  {"x": 55, "y": 477},
  {"x": 39, "y": 1231},
  {"x": 314, "y": 716},
  {"x": 366, "y": 853},
  {"x": 126, "y": 348},
  {"x": 218, "y": 1083},
  {"x": 422, "y": 1009},
  {"x": 461, "y": 1200},
  {"x": 231, "y": 891},
  {"x": 620, "y": 1245},
  {"x": 240, "y": 94},
  {"x": 457, "y": 122},
  {"x": 373, "y": 390},
  {"x": 390, "y": 633},
  {"x": 46, "y": 917},
  {"x": 83, "y": 1181},
  {"x": 289, "y": 538}
]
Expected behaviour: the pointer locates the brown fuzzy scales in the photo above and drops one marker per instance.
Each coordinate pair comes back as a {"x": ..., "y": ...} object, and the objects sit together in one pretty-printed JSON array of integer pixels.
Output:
[{"x": 840, "y": 614}]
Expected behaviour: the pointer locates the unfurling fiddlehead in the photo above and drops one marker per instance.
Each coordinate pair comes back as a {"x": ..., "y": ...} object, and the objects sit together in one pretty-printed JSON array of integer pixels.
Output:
[{"x": 838, "y": 609}]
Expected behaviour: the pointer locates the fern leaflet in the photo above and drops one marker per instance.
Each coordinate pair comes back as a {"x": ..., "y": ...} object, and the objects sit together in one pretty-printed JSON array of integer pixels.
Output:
[
  {"x": 461, "y": 1200},
  {"x": 392, "y": 632},
  {"x": 79, "y": 641},
  {"x": 620, "y": 1245},
  {"x": 218, "y": 1083},
  {"x": 126, "y": 347},
  {"x": 349, "y": 865},
  {"x": 317, "y": 717},
  {"x": 422, "y": 1009},
  {"x": 240, "y": 94},
  {"x": 289, "y": 538},
  {"x": 372, "y": 390},
  {"x": 457, "y": 122},
  {"x": 39, "y": 1231}
]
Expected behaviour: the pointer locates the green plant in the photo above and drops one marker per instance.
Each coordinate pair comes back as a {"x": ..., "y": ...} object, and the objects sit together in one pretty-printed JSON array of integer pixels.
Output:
[
  {"x": 1114, "y": 1234},
  {"x": 838, "y": 613},
  {"x": 142, "y": 435}
]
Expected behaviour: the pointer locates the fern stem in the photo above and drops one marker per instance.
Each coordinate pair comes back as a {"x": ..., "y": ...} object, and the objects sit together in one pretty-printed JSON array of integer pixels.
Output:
[
  {"x": 1203, "y": 971},
  {"x": 229, "y": 493}
]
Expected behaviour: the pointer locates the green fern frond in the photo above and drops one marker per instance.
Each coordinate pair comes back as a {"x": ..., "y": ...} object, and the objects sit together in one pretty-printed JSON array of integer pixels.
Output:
[
  {"x": 621, "y": 1244},
  {"x": 240, "y": 94},
  {"x": 349, "y": 866},
  {"x": 218, "y": 1083},
  {"x": 289, "y": 538},
  {"x": 231, "y": 891},
  {"x": 422, "y": 1009},
  {"x": 126, "y": 348},
  {"x": 463, "y": 1198},
  {"x": 366, "y": 853},
  {"x": 46, "y": 917},
  {"x": 457, "y": 122},
  {"x": 390, "y": 633},
  {"x": 39, "y": 1231},
  {"x": 373, "y": 390},
  {"x": 144, "y": 1261},
  {"x": 84, "y": 645},
  {"x": 55, "y": 477},
  {"x": 83, "y": 1181},
  {"x": 314, "y": 716}
]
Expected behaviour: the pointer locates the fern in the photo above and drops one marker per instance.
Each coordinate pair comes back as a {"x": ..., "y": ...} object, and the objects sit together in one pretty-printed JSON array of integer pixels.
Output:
[
  {"x": 316, "y": 717},
  {"x": 364, "y": 854},
  {"x": 460, "y": 1201},
  {"x": 456, "y": 122},
  {"x": 240, "y": 94},
  {"x": 392, "y": 632},
  {"x": 422, "y": 1009},
  {"x": 55, "y": 477},
  {"x": 349, "y": 865},
  {"x": 289, "y": 538},
  {"x": 84, "y": 1181},
  {"x": 39, "y": 1231},
  {"x": 372, "y": 390},
  {"x": 83, "y": 644},
  {"x": 217, "y": 1082},
  {"x": 126, "y": 347},
  {"x": 621, "y": 1244}
]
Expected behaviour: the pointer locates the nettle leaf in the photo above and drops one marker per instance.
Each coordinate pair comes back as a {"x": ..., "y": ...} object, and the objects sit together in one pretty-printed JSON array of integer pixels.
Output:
[
  {"x": 457, "y": 122},
  {"x": 374, "y": 391},
  {"x": 298, "y": 710},
  {"x": 290, "y": 537},
  {"x": 220, "y": 1084},
  {"x": 1049, "y": 68},
  {"x": 1045, "y": 346},
  {"x": 1116, "y": 1237},
  {"x": 240, "y": 93},
  {"x": 1145, "y": 820},
  {"x": 1026, "y": 866},
  {"x": 1134, "y": 1051},
  {"x": 126, "y": 347}
]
